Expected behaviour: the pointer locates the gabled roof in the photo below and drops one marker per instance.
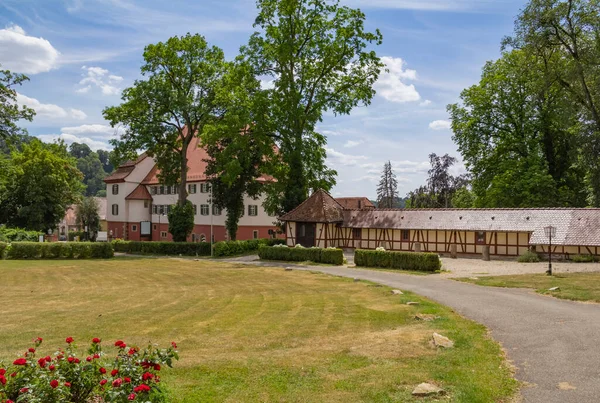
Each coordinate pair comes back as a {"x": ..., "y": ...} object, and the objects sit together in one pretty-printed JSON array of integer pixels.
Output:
[
  {"x": 320, "y": 207},
  {"x": 349, "y": 203},
  {"x": 139, "y": 193},
  {"x": 124, "y": 170}
]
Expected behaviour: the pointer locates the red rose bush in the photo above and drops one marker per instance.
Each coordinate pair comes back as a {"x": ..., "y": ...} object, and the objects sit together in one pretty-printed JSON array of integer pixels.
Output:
[{"x": 131, "y": 375}]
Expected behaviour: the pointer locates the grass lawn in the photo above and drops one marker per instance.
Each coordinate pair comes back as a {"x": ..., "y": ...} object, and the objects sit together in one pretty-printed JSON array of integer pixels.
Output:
[
  {"x": 573, "y": 286},
  {"x": 251, "y": 334}
]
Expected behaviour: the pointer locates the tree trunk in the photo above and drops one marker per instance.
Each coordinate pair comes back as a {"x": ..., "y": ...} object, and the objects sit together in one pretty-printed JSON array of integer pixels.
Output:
[{"x": 183, "y": 175}]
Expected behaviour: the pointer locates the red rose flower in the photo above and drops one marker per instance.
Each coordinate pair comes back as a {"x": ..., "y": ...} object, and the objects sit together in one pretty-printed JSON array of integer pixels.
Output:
[
  {"x": 51, "y": 367},
  {"x": 68, "y": 384},
  {"x": 141, "y": 388},
  {"x": 131, "y": 351},
  {"x": 2, "y": 371},
  {"x": 127, "y": 380},
  {"x": 69, "y": 340},
  {"x": 23, "y": 390},
  {"x": 54, "y": 383},
  {"x": 42, "y": 363},
  {"x": 77, "y": 360},
  {"x": 174, "y": 344},
  {"x": 102, "y": 370},
  {"x": 117, "y": 382},
  {"x": 20, "y": 361},
  {"x": 38, "y": 340},
  {"x": 2, "y": 380},
  {"x": 103, "y": 382},
  {"x": 118, "y": 343},
  {"x": 96, "y": 340},
  {"x": 71, "y": 359},
  {"x": 114, "y": 372},
  {"x": 131, "y": 396},
  {"x": 47, "y": 358},
  {"x": 96, "y": 356},
  {"x": 147, "y": 376},
  {"x": 13, "y": 374},
  {"x": 31, "y": 350},
  {"x": 88, "y": 358},
  {"x": 157, "y": 367}
]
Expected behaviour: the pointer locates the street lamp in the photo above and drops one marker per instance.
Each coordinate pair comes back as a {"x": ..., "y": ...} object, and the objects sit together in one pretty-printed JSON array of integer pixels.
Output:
[{"x": 550, "y": 232}]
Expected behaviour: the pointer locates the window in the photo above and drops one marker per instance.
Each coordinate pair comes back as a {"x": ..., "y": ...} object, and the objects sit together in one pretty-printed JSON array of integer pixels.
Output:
[
  {"x": 152, "y": 190},
  {"x": 192, "y": 189},
  {"x": 115, "y": 209},
  {"x": 195, "y": 209},
  {"x": 154, "y": 209},
  {"x": 161, "y": 190},
  {"x": 115, "y": 189},
  {"x": 168, "y": 190},
  {"x": 356, "y": 233},
  {"x": 204, "y": 188},
  {"x": 146, "y": 203},
  {"x": 204, "y": 209},
  {"x": 480, "y": 238},
  {"x": 154, "y": 227},
  {"x": 134, "y": 228},
  {"x": 255, "y": 234},
  {"x": 175, "y": 189},
  {"x": 216, "y": 210},
  {"x": 163, "y": 234},
  {"x": 252, "y": 210},
  {"x": 405, "y": 235},
  {"x": 202, "y": 238}
]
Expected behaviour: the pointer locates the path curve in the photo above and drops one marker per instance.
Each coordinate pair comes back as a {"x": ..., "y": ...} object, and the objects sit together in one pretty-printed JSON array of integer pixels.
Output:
[{"x": 550, "y": 341}]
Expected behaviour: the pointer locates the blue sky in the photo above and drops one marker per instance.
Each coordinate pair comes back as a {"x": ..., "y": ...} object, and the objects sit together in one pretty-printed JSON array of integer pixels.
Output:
[{"x": 79, "y": 55}]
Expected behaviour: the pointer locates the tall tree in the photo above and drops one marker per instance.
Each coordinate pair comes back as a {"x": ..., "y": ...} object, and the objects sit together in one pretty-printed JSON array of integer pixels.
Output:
[
  {"x": 164, "y": 112},
  {"x": 315, "y": 52},
  {"x": 239, "y": 146},
  {"x": 518, "y": 133},
  {"x": 10, "y": 112},
  {"x": 90, "y": 166},
  {"x": 87, "y": 213},
  {"x": 41, "y": 182},
  {"x": 441, "y": 185},
  {"x": 105, "y": 157},
  {"x": 387, "y": 190},
  {"x": 569, "y": 30}
]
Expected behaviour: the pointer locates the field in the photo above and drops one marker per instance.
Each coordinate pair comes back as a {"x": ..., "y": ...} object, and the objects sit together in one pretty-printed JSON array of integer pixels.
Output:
[
  {"x": 250, "y": 334},
  {"x": 573, "y": 286}
]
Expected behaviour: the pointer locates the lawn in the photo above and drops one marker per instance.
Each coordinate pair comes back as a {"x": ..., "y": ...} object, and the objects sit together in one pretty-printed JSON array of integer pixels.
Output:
[
  {"x": 573, "y": 286},
  {"x": 251, "y": 334}
]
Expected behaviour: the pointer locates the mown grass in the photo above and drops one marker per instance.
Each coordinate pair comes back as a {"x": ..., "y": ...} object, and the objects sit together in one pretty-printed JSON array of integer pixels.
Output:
[
  {"x": 251, "y": 334},
  {"x": 572, "y": 286}
]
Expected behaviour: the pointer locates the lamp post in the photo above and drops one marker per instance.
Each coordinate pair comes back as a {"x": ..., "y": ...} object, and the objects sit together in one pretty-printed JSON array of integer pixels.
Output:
[
  {"x": 210, "y": 202},
  {"x": 550, "y": 232}
]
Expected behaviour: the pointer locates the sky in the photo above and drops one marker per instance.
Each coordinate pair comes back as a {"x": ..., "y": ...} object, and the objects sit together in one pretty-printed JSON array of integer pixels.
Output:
[{"x": 80, "y": 55}]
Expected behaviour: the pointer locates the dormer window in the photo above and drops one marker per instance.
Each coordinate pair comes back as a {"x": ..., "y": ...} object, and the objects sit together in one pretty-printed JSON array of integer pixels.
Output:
[{"x": 115, "y": 189}]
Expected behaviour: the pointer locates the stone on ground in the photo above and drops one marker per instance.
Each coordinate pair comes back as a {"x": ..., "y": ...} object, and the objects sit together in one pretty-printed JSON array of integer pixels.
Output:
[
  {"x": 427, "y": 389},
  {"x": 554, "y": 289},
  {"x": 442, "y": 341},
  {"x": 566, "y": 386},
  {"x": 397, "y": 292},
  {"x": 412, "y": 303},
  {"x": 426, "y": 317}
]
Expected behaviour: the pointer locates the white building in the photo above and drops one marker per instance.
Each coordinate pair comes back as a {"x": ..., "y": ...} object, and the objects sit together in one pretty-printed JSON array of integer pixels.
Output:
[{"x": 138, "y": 203}]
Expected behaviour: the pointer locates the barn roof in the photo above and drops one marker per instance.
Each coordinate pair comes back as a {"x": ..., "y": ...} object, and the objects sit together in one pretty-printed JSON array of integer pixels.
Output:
[
  {"x": 320, "y": 207},
  {"x": 355, "y": 202}
]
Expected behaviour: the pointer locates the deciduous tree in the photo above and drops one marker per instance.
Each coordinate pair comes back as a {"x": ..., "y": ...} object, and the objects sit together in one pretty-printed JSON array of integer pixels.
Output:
[
  {"x": 87, "y": 213},
  {"x": 315, "y": 52},
  {"x": 10, "y": 111}
]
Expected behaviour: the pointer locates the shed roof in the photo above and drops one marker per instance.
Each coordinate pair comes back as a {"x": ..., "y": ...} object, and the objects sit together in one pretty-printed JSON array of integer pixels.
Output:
[{"x": 320, "y": 207}]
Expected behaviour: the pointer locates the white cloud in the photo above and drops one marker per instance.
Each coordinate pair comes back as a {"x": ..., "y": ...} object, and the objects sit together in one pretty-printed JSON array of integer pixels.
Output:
[
  {"x": 427, "y": 5},
  {"x": 102, "y": 131},
  {"x": 352, "y": 143},
  {"x": 425, "y": 103},
  {"x": 49, "y": 110},
  {"x": 338, "y": 158},
  {"x": 26, "y": 54},
  {"x": 391, "y": 85},
  {"x": 440, "y": 125},
  {"x": 410, "y": 167},
  {"x": 69, "y": 139},
  {"x": 100, "y": 78},
  {"x": 96, "y": 135}
]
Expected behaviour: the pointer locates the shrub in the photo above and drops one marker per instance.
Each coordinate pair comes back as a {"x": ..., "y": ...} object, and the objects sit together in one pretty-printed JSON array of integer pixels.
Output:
[
  {"x": 18, "y": 235},
  {"x": 72, "y": 234},
  {"x": 529, "y": 257},
  {"x": 163, "y": 248},
  {"x": 3, "y": 247},
  {"x": 416, "y": 261},
  {"x": 231, "y": 248},
  {"x": 316, "y": 255},
  {"x": 583, "y": 258},
  {"x": 132, "y": 374},
  {"x": 59, "y": 250},
  {"x": 181, "y": 221}
]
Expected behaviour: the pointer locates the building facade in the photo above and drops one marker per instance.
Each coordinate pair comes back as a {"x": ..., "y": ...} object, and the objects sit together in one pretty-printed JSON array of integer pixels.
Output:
[
  {"x": 322, "y": 221},
  {"x": 138, "y": 204}
]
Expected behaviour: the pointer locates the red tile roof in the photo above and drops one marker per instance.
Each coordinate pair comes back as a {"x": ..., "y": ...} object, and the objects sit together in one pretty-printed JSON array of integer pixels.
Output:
[
  {"x": 139, "y": 193},
  {"x": 350, "y": 203},
  {"x": 124, "y": 170},
  {"x": 320, "y": 207}
]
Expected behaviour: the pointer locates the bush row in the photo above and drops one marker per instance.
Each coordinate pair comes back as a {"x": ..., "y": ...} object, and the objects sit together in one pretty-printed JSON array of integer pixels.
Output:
[
  {"x": 18, "y": 235},
  {"x": 316, "y": 255},
  {"x": 416, "y": 261},
  {"x": 231, "y": 248},
  {"x": 163, "y": 248},
  {"x": 3, "y": 246},
  {"x": 72, "y": 234},
  {"x": 58, "y": 250}
]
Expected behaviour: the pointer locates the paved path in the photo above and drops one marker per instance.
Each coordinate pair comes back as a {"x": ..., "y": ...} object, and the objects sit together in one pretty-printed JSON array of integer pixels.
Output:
[{"x": 550, "y": 341}]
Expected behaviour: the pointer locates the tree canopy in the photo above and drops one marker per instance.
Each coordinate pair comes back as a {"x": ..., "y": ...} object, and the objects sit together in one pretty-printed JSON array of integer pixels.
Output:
[
  {"x": 387, "y": 190},
  {"x": 10, "y": 111},
  {"x": 315, "y": 52}
]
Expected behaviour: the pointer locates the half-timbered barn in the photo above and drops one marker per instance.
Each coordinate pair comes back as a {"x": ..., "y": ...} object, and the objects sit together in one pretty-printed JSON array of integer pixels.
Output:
[{"x": 322, "y": 221}]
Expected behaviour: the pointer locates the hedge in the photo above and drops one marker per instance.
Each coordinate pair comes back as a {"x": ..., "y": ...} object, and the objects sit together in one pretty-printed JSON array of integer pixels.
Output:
[
  {"x": 18, "y": 235},
  {"x": 72, "y": 234},
  {"x": 3, "y": 246},
  {"x": 416, "y": 261},
  {"x": 59, "y": 250},
  {"x": 316, "y": 255},
  {"x": 231, "y": 248}
]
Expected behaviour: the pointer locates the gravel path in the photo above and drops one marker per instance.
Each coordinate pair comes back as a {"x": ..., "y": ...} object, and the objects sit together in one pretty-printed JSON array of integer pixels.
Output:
[{"x": 553, "y": 343}]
